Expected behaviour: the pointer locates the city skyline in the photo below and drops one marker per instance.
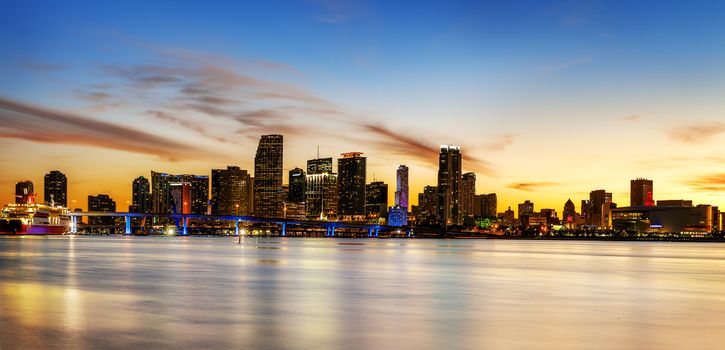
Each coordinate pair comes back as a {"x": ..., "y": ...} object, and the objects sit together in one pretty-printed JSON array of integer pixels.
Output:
[{"x": 548, "y": 101}]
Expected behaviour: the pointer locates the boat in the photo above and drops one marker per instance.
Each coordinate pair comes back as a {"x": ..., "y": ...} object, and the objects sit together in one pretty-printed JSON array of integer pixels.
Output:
[{"x": 34, "y": 219}]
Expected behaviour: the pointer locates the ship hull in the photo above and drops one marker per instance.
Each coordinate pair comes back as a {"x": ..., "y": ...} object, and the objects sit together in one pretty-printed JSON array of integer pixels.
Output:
[{"x": 9, "y": 228}]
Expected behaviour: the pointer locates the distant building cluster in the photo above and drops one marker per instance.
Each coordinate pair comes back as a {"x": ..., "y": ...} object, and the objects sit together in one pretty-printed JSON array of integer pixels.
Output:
[{"x": 320, "y": 193}]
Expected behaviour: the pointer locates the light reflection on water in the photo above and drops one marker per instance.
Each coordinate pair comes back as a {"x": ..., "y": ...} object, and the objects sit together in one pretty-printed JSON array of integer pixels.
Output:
[{"x": 142, "y": 292}]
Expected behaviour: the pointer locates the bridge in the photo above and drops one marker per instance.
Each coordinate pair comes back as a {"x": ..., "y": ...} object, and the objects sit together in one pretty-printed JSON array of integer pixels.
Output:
[{"x": 182, "y": 220}]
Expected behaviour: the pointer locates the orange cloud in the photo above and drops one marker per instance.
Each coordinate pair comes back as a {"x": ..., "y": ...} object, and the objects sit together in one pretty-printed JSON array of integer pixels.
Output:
[{"x": 32, "y": 123}]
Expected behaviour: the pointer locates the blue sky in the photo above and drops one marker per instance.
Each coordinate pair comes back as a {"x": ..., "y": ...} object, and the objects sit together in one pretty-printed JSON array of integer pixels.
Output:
[{"x": 637, "y": 86}]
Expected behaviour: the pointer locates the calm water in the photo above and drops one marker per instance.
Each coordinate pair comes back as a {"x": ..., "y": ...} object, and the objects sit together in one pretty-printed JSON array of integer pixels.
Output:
[{"x": 140, "y": 292}]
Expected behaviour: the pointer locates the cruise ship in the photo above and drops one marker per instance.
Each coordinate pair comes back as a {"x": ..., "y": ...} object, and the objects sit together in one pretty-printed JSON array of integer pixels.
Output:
[{"x": 34, "y": 219}]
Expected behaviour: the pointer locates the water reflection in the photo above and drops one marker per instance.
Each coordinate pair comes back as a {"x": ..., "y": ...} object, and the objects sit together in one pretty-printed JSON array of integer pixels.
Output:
[{"x": 146, "y": 292}]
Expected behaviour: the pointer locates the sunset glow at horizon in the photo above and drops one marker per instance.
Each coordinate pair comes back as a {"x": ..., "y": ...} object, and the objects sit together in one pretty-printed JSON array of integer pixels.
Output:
[{"x": 548, "y": 101}]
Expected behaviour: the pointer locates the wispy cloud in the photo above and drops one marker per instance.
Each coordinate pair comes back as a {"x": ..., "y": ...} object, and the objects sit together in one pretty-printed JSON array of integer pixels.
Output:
[
  {"x": 32, "y": 123},
  {"x": 631, "y": 117},
  {"x": 696, "y": 133},
  {"x": 425, "y": 152},
  {"x": 530, "y": 186},
  {"x": 708, "y": 183},
  {"x": 551, "y": 69},
  {"x": 500, "y": 142},
  {"x": 44, "y": 67}
]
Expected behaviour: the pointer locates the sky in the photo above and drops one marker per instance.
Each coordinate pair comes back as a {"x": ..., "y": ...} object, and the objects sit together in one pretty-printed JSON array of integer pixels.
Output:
[{"x": 548, "y": 100}]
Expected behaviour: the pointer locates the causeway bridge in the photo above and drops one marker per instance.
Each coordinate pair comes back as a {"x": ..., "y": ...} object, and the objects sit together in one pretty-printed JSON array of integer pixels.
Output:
[{"x": 182, "y": 222}]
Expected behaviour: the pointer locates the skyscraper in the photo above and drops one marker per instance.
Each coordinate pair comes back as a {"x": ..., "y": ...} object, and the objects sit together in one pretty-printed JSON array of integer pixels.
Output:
[
  {"x": 319, "y": 166},
  {"x": 268, "y": 194},
  {"x": 569, "y": 213},
  {"x": 162, "y": 201},
  {"x": 140, "y": 196},
  {"x": 101, "y": 203},
  {"x": 199, "y": 193},
  {"x": 428, "y": 205},
  {"x": 56, "y": 188},
  {"x": 401, "y": 188},
  {"x": 376, "y": 202},
  {"x": 297, "y": 182},
  {"x": 229, "y": 191},
  {"x": 449, "y": 186},
  {"x": 468, "y": 192},
  {"x": 600, "y": 206},
  {"x": 161, "y": 192},
  {"x": 23, "y": 192},
  {"x": 485, "y": 205},
  {"x": 641, "y": 192},
  {"x": 351, "y": 190},
  {"x": 526, "y": 209},
  {"x": 320, "y": 189}
]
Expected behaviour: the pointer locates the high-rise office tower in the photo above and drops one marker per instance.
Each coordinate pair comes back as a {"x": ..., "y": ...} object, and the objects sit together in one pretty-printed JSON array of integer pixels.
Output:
[
  {"x": 351, "y": 189},
  {"x": 319, "y": 166},
  {"x": 526, "y": 208},
  {"x": 101, "y": 203},
  {"x": 485, "y": 205},
  {"x": 376, "y": 202},
  {"x": 428, "y": 205},
  {"x": 199, "y": 193},
  {"x": 56, "y": 188},
  {"x": 163, "y": 203},
  {"x": 468, "y": 192},
  {"x": 600, "y": 206},
  {"x": 320, "y": 189},
  {"x": 569, "y": 213},
  {"x": 401, "y": 188},
  {"x": 268, "y": 194},
  {"x": 640, "y": 192},
  {"x": 161, "y": 192},
  {"x": 23, "y": 192},
  {"x": 449, "y": 186},
  {"x": 229, "y": 191},
  {"x": 140, "y": 196},
  {"x": 297, "y": 182}
]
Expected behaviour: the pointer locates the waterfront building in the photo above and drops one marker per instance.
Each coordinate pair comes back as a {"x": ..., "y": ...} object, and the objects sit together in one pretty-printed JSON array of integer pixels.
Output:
[
  {"x": 641, "y": 192},
  {"x": 297, "y": 182},
  {"x": 397, "y": 216},
  {"x": 674, "y": 203},
  {"x": 101, "y": 203},
  {"x": 295, "y": 210},
  {"x": 526, "y": 209},
  {"x": 162, "y": 201},
  {"x": 696, "y": 221},
  {"x": 586, "y": 210},
  {"x": 449, "y": 209},
  {"x": 376, "y": 201},
  {"x": 401, "y": 188},
  {"x": 320, "y": 189},
  {"x": 716, "y": 223},
  {"x": 24, "y": 192},
  {"x": 569, "y": 213},
  {"x": 180, "y": 197},
  {"x": 600, "y": 206},
  {"x": 140, "y": 196},
  {"x": 427, "y": 206},
  {"x": 199, "y": 191},
  {"x": 468, "y": 194},
  {"x": 268, "y": 195},
  {"x": 351, "y": 189},
  {"x": 507, "y": 217},
  {"x": 229, "y": 191},
  {"x": 485, "y": 206},
  {"x": 56, "y": 188}
]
